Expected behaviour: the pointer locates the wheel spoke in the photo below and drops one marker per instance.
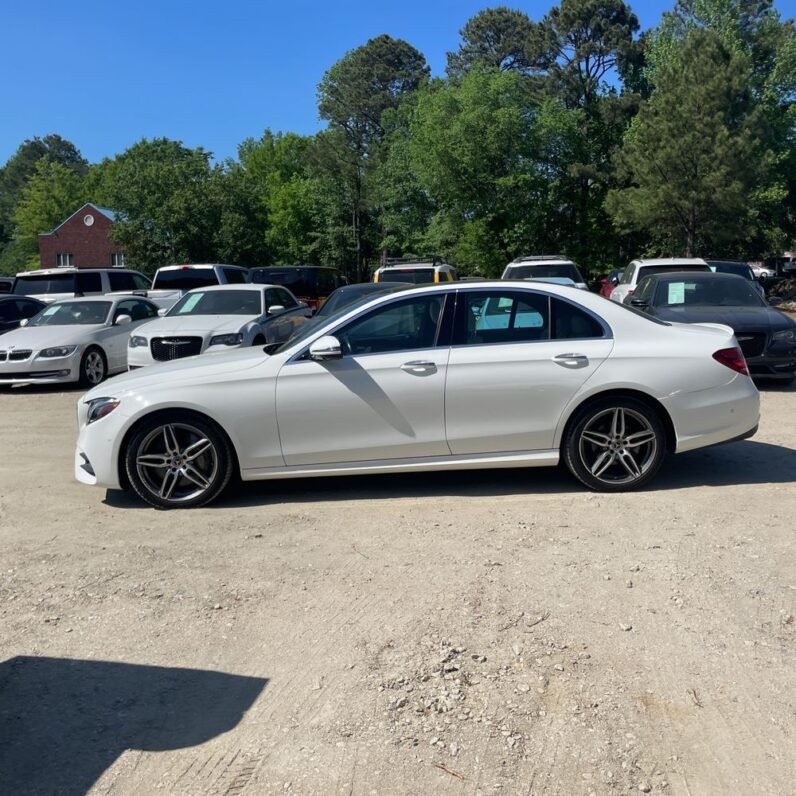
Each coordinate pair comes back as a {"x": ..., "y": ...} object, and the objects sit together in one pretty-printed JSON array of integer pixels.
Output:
[
  {"x": 618, "y": 422},
  {"x": 603, "y": 462},
  {"x": 640, "y": 438},
  {"x": 170, "y": 438},
  {"x": 630, "y": 463},
  {"x": 596, "y": 438},
  {"x": 192, "y": 474},
  {"x": 169, "y": 482},
  {"x": 158, "y": 460},
  {"x": 195, "y": 450}
]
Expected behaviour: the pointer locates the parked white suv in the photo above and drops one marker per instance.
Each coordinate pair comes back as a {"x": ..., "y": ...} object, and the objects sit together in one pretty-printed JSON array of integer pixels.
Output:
[
  {"x": 550, "y": 267},
  {"x": 638, "y": 269},
  {"x": 54, "y": 284},
  {"x": 172, "y": 282}
]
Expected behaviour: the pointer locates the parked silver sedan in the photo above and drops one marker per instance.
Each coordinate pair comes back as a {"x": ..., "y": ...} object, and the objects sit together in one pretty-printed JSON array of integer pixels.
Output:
[{"x": 82, "y": 340}]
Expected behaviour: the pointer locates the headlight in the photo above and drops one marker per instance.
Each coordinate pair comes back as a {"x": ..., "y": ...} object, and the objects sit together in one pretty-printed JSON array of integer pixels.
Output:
[
  {"x": 226, "y": 339},
  {"x": 99, "y": 408},
  {"x": 785, "y": 334},
  {"x": 60, "y": 351},
  {"x": 136, "y": 341}
]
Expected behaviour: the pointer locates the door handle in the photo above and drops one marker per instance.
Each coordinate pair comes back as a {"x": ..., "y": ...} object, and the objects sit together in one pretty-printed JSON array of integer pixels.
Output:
[
  {"x": 419, "y": 367},
  {"x": 571, "y": 360}
]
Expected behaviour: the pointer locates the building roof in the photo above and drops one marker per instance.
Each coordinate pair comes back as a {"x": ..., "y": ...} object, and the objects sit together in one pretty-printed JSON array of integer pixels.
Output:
[{"x": 111, "y": 215}]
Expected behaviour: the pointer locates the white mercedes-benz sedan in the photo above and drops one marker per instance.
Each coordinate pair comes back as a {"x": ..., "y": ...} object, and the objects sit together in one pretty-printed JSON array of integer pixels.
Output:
[
  {"x": 81, "y": 340},
  {"x": 213, "y": 319},
  {"x": 473, "y": 375}
]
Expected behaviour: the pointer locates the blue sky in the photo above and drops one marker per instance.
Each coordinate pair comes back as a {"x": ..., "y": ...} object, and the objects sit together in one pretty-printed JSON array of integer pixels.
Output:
[{"x": 105, "y": 75}]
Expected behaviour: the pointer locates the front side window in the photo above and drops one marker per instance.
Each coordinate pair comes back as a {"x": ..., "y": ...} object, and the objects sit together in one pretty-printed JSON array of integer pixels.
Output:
[
  {"x": 401, "y": 326},
  {"x": 141, "y": 282},
  {"x": 627, "y": 276},
  {"x": 138, "y": 310},
  {"x": 285, "y": 299},
  {"x": 234, "y": 277}
]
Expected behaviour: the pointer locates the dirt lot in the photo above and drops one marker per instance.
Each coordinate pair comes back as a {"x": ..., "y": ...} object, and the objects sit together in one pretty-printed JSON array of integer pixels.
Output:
[{"x": 496, "y": 632}]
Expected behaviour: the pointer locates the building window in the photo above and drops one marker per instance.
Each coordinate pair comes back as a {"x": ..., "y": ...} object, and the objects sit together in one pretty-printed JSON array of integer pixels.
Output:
[
  {"x": 64, "y": 259},
  {"x": 117, "y": 259}
]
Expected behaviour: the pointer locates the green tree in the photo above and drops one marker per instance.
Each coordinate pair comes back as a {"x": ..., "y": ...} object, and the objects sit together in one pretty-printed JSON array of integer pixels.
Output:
[
  {"x": 495, "y": 37},
  {"x": 353, "y": 97},
  {"x": 692, "y": 155}
]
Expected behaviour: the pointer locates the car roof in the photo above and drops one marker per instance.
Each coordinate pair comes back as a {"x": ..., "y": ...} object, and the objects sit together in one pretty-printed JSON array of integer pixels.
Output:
[
  {"x": 541, "y": 259},
  {"x": 107, "y": 297},
  {"x": 671, "y": 261},
  {"x": 226, "y": 288},
  {"x": 187, "y": 266}
]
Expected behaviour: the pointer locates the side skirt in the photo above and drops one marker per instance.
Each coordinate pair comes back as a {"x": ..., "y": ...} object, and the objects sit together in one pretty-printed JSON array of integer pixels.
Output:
[{"x": 546, "y": 458}]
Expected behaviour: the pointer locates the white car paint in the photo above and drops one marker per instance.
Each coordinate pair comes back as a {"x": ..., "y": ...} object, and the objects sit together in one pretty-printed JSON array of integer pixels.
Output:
[
  {"x": 496, "y": 405},
  {"x": 180, "y": 324},
  {"x": 21, "y": 350},
  {"x": 638, "y": 269}
]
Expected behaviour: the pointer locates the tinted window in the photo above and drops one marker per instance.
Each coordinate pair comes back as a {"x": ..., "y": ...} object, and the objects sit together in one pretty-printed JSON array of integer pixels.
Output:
[
  {"x": 572, "y": 323},
  {"x": 235, "y": 277},
  {"x": 552, "y": 270},
  {"x": 670, "y": 269},
  {"x": 739, "y": 269},
  {"x": 89, "y": 283},
  {"x": 327, "y": 282},
  {"x": 122, "y": 281},
  {"x": 502, "y": 317},
  {"x": 401, "y": 326},
  {"x": 627, "y": 276},
  {"x": 300, "y": 281},
  {"x": 185, "y": 279},
  {"x": 27, "y": 309},
  {"x": 416, "y": 276},
  {"x": 138, "y": 310},
  {"x": 644, "y": 289},
  {"x": 285, "y": 299},
  {"x": 41, "y": 285},
  {"x": 141, "y": 282}
]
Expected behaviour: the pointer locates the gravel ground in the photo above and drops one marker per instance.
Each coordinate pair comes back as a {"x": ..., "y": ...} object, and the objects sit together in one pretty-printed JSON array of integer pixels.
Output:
[{"x": 486, "y": 632}]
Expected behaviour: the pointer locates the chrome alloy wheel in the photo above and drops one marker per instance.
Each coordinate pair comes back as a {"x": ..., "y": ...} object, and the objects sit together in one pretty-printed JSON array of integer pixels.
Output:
[
  {"x": 177, "y": 462},
  {"x": 618, "y": 446},
  {"x": 94, "y": 367}
]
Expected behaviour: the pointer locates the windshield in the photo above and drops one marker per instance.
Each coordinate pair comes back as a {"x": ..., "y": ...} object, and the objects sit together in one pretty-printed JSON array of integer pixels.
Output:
[
  {"x": 37, "y": 285},
  {"x": 185, "y": 279},
  {"x": 73, "y": 313},
  {"x": 729, "y": 292},
  {"x": 566, "y": 270},
  {"x": 348, "y": 295},
  {"x": 415, "y": 276},
  {"x": 219, "y": 302}
]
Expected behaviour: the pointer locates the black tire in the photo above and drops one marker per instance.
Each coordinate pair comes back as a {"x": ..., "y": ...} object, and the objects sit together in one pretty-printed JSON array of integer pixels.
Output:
[
  {"x": 93, "y": 367},
  {"x": 172, "y": 475},
  {"x": 615, "y": 444}
]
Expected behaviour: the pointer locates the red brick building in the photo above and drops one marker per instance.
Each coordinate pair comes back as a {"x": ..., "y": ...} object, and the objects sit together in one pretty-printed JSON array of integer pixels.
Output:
[{"x": 82, "y": 241}]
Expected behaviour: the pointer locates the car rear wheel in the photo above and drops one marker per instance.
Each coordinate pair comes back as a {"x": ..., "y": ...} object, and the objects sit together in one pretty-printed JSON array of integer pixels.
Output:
[
  {"x": 615, "y": 445},
  {"x": 178, "y": 460},
  {"x": 93, "y": 367}
]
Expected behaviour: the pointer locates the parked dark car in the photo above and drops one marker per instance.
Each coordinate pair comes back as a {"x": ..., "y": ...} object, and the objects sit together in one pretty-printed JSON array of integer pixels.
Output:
[
  {"x": 767, "y": 336},
  {"x": 348, "y": 294},
  {"x": 14, "y": 308},
  {"x": 309, "y": 283}
]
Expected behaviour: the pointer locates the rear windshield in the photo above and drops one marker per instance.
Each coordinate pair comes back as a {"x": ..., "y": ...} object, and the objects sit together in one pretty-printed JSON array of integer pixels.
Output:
[
  {"x": 646, "y": 270},
  {"x": 565, "y": 270},
  {"x": 185, "y": 279},
  {"x": 52, "y": 283},
  {"x": 300, "y": 281},
  {"x": 717, "y": 292},
  {"x": 416, "y": 276},
  {"x": 739, "y": 269}
]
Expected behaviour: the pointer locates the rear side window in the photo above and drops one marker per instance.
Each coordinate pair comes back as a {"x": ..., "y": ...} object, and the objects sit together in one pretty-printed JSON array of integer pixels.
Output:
[
  {"x": 44, "y": 284},
  {"x": 122, "y": 281},
  {"x": 235, "y": 277},
  {"x": 572, "y": 323},
  {"x": 502, "y": 317},
  {"x": 89, "y": 283}
]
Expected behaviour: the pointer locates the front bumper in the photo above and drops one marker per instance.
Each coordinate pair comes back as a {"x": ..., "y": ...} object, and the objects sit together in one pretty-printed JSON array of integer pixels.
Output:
[
  {"x": 41, "y": 370},
  {"x": 774, "y": 365}
]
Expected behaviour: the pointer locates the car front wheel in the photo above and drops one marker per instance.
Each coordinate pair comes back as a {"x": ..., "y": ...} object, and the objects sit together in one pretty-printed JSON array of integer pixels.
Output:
[
  {"x": 93, "y": 368},
  {"x": 615, "y": 445},
  {"x": 178, "y": 461}
]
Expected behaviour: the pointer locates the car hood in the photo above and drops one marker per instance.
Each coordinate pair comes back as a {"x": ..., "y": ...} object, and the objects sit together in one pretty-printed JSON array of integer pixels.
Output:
[
  {"x": 200, "y": 368},
  {"x": 38, "y": 337},
  {"x": 737, "y": 318},
  {"x": 196, "y": 324}
]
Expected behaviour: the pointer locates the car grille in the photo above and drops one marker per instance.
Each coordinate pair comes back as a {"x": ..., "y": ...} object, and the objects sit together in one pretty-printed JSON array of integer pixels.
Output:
[
  {"x": 164, "y": 349},
  {"x": 14, "y": 356},
  {"x": 752, "y": 345}
]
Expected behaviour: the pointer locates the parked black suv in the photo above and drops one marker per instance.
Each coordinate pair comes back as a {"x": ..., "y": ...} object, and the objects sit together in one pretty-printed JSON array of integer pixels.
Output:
[{"x": 308, "y": 283}]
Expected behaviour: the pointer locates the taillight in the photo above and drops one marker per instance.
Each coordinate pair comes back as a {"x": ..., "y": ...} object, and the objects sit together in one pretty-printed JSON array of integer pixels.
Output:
[{"x": 732, "y": 358}]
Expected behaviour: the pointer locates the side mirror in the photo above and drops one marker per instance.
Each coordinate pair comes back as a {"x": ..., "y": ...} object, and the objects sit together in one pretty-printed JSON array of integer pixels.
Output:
[
  {"x": 274, "y": 308},
  {"x": 23, "y": 322},
  {"x": 122, "y": 320},
  {"x": 162, "y": 312},
  {"x": 614, "y": 280},
  {"x": 327, "y": 347}
]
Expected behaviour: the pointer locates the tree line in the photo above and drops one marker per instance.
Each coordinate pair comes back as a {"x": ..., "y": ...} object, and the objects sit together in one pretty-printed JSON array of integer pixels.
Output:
[{"x": 575, "y": 134}]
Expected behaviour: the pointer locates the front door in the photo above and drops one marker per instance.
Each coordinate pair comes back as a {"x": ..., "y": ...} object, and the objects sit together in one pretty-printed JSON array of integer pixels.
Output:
[{"x": 384, "y": 399}]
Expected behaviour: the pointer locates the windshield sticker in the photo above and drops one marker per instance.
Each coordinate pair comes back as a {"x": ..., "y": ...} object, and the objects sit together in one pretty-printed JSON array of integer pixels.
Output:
[
  {"x": 676, "y": 293},
  {"x": 190, "y": 303}
]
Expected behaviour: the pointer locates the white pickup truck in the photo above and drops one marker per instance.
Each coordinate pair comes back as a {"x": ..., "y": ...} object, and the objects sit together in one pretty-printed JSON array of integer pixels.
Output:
[{"x": 172, "y": 281}]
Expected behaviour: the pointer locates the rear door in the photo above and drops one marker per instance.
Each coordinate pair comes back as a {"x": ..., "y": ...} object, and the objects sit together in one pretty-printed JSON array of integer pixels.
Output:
[{"x": 517, "y": 359}]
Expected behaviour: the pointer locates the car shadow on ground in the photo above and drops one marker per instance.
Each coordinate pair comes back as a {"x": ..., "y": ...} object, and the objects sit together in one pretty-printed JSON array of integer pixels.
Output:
[
  {"x": 734, "y": 464},
  {"x": 42, "y": 389},
  {"x": 63, "y": 722}
]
